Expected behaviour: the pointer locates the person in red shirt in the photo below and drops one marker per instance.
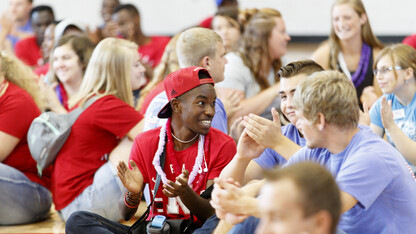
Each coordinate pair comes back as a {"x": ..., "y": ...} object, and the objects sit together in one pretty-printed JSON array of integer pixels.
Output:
[
  {"x": 195, "y": 155},
  {"x": 85, "y": 175},
  {"x": 24, "y": 196},
  {"x": 127, "y": 19},
  {"x": 28, "y": 50}
]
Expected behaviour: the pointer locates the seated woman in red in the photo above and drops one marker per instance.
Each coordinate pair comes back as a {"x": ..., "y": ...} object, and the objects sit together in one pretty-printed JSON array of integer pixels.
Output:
[
  {"x": 85, "y": 175},
  {"x": 24, "y": 196}
]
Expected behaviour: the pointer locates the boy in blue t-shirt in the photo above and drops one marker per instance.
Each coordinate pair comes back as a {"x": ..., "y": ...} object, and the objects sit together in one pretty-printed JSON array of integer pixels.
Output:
[{"x": 377, "y": 187}]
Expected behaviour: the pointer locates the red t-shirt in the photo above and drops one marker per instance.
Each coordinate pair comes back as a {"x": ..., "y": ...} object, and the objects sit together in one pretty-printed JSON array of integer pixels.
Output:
[
  {"x": 17, "y": 111},
  {"x": 152, "y": 94},
  {"x": 42, "y": 70},
  {"x": 152, "y": 52},
  {"x": 95, "y": 134},
  {"x": 219, "y": 150},
  {"x": 28, "y": 51}
]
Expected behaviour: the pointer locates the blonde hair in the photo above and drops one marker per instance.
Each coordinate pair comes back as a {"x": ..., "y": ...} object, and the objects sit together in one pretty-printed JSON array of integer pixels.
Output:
[
  {"x": 108, "y": 72},
  {"x": 196, "y": 43},
  {"x": 367, "y": 34},
  {"x": 168, "y": 64},
  {"x": 254, "y": 48},
  {"x": 329, "y": 93},
  {"x": 18, "y": 73},
  {"x": 401, "y": 55}
]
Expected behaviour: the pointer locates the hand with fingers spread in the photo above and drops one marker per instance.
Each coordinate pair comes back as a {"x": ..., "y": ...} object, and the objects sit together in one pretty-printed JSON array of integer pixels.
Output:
[
  {"x": 365, "y": 118},
  {"x": 131, "y": 179},
  {"x": 237, "y": 129},
  {"x": 264, "y": 131},
  {"x": 248, "y": 148},
  {"x": 178, "y": 188},
  {"x": 386, "y": 113}
]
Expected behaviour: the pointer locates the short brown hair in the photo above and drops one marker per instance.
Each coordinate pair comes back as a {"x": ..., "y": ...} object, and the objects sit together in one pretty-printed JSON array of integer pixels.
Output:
[
  {"x": 317, "y": 188},
  {"x": 307, "y": 67},
  {"x": 329, "y": 93}
]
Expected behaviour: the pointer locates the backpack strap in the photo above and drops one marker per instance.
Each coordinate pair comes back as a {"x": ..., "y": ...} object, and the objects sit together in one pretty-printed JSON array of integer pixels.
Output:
[{"x": 74, "y": 114}]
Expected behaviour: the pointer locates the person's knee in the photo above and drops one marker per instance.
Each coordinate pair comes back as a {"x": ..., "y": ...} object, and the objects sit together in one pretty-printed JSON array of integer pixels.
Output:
[{"x": 77, "y": 220}]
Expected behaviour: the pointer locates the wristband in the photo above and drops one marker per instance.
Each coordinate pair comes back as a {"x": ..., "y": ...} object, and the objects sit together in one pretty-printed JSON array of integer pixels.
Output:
[{"x": 127, "y": 204}]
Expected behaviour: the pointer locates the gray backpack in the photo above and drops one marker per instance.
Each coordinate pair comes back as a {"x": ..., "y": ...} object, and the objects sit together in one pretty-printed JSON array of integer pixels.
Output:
[{"x": 48, "y": 133}]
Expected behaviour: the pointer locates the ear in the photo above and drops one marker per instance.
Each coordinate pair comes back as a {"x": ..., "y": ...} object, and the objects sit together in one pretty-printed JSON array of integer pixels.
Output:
[
  {"x": 409, "y": 74},
  {"x": 363, "y": 19},
  {"x": 321, "y": 122},
  {"x": 176, "y": 105},
  {"x": 206, "y": 63},
  {"x": 322, "y": 221}
]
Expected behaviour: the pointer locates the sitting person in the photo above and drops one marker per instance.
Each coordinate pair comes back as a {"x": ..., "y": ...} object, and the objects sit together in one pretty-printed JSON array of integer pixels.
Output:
[
  {"x": 84, "y": 176},
  {"x": 28, "y": 49},
  {"x": 69, "y": 61},
  {"x": 300, "y": 198},
  {"x": 251, "y": 70},
  {"x": 24, "y": 196},
  {"x": 377, "y": 187},
  {"x": 280, "y": 142},
  {"x": 196, "y": 47},
  {"x": 195, "y": 155},
  {"x": 394, "y": 114}
]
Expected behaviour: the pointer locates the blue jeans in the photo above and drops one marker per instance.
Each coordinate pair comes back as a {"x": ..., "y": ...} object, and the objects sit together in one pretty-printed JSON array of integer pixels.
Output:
[
  {"x": 101, "y": 197},
  {"x": 86, "y": 222},
  {"x": 21, "y": 200},
  {"x": 209, "y": 225}
]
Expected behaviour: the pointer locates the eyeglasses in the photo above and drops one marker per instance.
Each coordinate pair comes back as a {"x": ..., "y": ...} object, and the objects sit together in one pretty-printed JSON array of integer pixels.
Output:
[{"x": 384, "y": 70}]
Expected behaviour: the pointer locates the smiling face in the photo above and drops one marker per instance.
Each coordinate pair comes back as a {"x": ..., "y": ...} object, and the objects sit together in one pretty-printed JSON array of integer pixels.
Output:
[
  {"x": 386, "y": 79},
  {"x": 278, "y": 39},
  {"x": 287, "y": 90},
  {"x": 197, "y": 108},
  {"x": 138, "y": 78},
  {"x": 346, "y": 22},
  {"x": 67, "y": 65}
]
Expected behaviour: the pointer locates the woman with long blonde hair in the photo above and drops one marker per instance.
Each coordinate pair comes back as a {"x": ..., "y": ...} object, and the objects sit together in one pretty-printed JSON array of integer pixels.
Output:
[
  {"x": 351, "y": 48},
  {"x": 252, "y": 69},
  {"x": 84, "y": 176},
  {"x": 24, "y": 196}
]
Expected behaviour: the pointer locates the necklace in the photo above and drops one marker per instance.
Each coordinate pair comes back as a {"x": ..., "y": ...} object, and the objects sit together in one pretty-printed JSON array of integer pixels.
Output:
[
  {"x": 185, "y": 142},
  {"x": 198, "y": 160}
]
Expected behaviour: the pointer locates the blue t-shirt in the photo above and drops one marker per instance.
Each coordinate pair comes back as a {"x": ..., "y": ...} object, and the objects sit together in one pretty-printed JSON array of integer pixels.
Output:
[
  {"x": 374, "y": 173},
  {"x": 405, "y": 118},
  {"x": 270, "y": 158},
  {"x": 151, "y": 120},
  {"x": 27, "y": 28}
]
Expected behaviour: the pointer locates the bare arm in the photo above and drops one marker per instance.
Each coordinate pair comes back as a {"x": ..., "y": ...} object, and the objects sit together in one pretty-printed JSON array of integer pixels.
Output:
[
  {"x": 321, "y": 55},
  {"x": 133, "y": 182},
  {"x": 347, "y": 201},
  {"x": 8, "y": 143}
]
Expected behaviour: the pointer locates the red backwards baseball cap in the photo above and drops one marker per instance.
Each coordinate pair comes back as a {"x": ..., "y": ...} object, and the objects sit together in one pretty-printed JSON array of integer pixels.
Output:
[{"x": 180, "y": 82}]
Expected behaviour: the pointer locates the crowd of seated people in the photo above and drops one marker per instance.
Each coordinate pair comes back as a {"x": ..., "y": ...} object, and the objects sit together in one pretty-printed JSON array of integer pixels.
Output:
[{"x": 210, "y": 126}]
